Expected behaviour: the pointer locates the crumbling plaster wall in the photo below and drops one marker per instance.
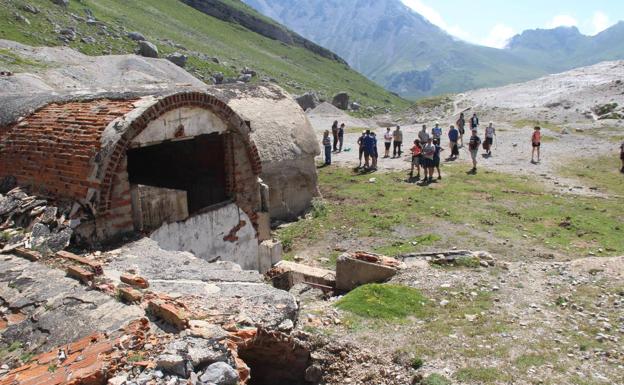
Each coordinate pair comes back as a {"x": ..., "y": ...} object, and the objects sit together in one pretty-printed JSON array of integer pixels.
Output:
[{"x": 226, "y": 234}]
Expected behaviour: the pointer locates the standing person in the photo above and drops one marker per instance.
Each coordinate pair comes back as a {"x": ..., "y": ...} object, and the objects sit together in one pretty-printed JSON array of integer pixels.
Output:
[
  {"x": 473, "y": 147},
  {"x": 328, "y": 147},
  {"x": 436, "y": 132},
  {"x": 368, "y": 142},
  {"x": 436, "y": 159},
  {"x": 423, "y": 136},
  {"x": 536, "y": 143},
  {"x": 397, "y": 135},
  {"x": 341, "y": 131},
  {"x": 360, "y": 143},
  {"x": 416, "y": 158},
  {"x": 388, "y": 136},
  {"x": 428, "y": 152},
  {"x": 474, "y": 122},
  {"x": 453, "y": 136},
  {"x": 461, "y": 126},
  {"x": 490, "y": 133},
  {"x": 622, "y": 156},
  {"x": 335, "y": 134},
  {"x": 374, "y": 153}
]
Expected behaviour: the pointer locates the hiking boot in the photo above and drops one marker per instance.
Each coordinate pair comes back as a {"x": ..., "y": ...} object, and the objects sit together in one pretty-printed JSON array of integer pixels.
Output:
[{"x": 439, "y": 177}]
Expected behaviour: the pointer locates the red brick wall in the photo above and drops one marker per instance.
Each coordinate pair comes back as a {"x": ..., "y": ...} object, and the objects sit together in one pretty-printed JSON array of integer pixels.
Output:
[{"x": 51, "y": 150}]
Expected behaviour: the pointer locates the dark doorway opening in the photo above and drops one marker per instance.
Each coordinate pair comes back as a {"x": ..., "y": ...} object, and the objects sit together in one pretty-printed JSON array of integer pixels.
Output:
[
  {"x": 195, "y": 165},
  {"x": 275, "y": 360}
]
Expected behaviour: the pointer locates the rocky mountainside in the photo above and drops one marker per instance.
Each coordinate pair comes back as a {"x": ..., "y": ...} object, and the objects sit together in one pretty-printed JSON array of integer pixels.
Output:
[
  {"x": 219, "y": 42},
  {"x": 397, "y": 47},
  {"x": 564, "y": 48},
  {"x": 400, "y": 49}
]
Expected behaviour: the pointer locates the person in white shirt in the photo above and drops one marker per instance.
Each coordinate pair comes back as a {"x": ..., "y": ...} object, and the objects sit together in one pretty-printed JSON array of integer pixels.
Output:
[
  {"x": 490, "y": 133},
  {"x": 388, "y": 141}
]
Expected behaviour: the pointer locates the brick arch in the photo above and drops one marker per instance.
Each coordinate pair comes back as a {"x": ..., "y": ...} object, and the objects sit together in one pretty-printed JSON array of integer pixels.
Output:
[{"x": 235, "y": 124}]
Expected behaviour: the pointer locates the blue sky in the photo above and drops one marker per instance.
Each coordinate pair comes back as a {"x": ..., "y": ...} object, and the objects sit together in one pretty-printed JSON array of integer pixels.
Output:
[{"x": 493, "y": 22}]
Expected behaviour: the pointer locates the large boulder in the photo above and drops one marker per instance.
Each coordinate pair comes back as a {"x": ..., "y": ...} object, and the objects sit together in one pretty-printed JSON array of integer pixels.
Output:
[
  {"x": 147, "y": 49},
  {"x": 341, "y": 100},
  {"x": 136, "y": 36},
  {"x": 62, "y": 3},
  {"x": 307, "y": 101}
]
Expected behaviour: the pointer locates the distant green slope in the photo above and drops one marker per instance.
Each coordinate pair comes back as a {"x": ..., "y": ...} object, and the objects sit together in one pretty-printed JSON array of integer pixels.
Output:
[{"x": 168, "y": 23}]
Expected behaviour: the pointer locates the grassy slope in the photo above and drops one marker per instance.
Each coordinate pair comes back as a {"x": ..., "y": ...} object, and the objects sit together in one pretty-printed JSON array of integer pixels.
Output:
[
  {"x": 296, "y": 69},
  {"x": 461, "y": 210}
]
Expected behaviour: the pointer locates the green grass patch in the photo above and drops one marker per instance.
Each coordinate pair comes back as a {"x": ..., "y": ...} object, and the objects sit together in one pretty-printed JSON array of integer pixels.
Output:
[
  {"x": 399, "y": 247},
  {"x": 436, "y": 379},
  {"x": 386, "y": 302},
  {"x": 527, "y": 361},
  {"x": 602, "y": 172},
  {"x": 481, "y": 375}
]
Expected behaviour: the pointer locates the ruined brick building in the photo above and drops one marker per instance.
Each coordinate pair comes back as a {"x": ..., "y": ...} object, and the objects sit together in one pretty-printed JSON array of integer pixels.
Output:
[{"x": 144, "y": 146}]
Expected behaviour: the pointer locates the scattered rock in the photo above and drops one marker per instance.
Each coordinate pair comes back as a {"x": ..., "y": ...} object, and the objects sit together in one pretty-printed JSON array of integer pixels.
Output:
[
  {"x": 62, "y": 3},
  {"x": 313, "y": 374},
  {"x": 219, "y": 373},
  {"x": 245, "y": 78},
  {"x": 88, "y": 40},
  {"x": 136, "y": 36},
  {"x": 21, "y": 18},
  {"x": 147, "y": 49},
  {"x": 248, "y": 71},
  {"x": 178, "y": 59},
  {"x": 355, "y": 106},
  {"x": 218, "y": 78},
  {"x": 29, "y": 8}
]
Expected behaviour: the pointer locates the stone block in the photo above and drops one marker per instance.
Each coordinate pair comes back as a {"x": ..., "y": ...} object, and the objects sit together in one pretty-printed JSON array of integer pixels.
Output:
[
  {"x": 31, "y": 255},
  {"x": 287, "y": 274},
  {"x": 134, "y": 281},
  {"x": 352, "y": 272},
  {"x": 269, "y": 253},
  {"x": 80, "y": 274},
  {"x": 169, "y": 313},
  {"x": 94, "y": 266},
  {"x": 130, "y": 295}
]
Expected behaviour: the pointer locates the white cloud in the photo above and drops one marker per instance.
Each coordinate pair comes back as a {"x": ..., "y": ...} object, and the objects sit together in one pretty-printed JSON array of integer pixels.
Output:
[
  {"x": 434, "y": 17},
  {"x": 498, "y": 36},
  {"x": 600, "y": 22},
  {"x": 562, "y": 21}
]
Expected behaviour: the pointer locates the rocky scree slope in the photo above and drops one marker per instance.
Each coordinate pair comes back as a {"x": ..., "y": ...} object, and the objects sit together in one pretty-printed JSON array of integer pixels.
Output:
[{"x": 227, "y": 48}]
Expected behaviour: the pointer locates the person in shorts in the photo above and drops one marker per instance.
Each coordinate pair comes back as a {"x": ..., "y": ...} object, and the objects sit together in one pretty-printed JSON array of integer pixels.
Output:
[
  {"x": 473, "y": 147},
  {"x": 490, "y": 133},
  {"x": 536, "y": 143},
  {"x": 428, "y": 152},
  {"x": 388, "y": 136},
  {"x": 436, "y": 132},
  {"x": 416, "y": 158}
]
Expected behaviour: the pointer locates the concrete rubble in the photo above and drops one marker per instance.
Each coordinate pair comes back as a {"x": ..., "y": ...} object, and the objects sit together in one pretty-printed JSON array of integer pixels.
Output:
[{"x": 359, "y": 268}]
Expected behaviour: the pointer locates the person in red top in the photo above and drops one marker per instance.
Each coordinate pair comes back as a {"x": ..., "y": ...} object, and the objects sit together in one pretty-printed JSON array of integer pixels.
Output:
[
  {"x": 536, "y": 141},
  {"x": 416, "y": 156}
]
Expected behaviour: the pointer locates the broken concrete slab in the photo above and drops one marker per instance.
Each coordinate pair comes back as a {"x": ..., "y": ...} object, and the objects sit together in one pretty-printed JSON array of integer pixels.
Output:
[
  {"x": 269, "y": 253},
  {"x": 58, "y": 309},
  {"x": 360, "y": 268},
  {"x": 286, "y": 274}
]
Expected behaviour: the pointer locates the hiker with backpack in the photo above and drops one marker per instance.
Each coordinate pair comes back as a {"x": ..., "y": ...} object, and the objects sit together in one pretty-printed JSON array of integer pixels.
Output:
[
  {"x": 474, "y": 122},
  {"x": 436, "y": 132},
  {"x": 328, "y": 147},
  {"x": 397, "y": 135},
  {"x": 536, "y": 143},
  {"x": 388, "y": 136},
  {"x": 335, "y": 134},
  {"x": 461, "y": 127},
  {"x": 416, "y": 158},
  {"x": 473, "y": 147},
  {"x": 453, "y": 136},
  {"x": 490, "y": 133}
]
